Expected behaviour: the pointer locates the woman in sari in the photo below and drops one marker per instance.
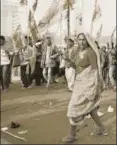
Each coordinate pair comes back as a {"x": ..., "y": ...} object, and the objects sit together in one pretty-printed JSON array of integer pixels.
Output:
[{"x": 87, "y": 88}]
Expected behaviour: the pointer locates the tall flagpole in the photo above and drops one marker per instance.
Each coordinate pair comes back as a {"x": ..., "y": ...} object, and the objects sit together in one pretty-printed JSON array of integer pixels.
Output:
[
  {"x": 28, "y": 21},
  {"x": 82, "y": 15},
  {"x": 92, "y": 17},
  {"x": 91, "y": 27},
  {"x": 68, "y": 20}
]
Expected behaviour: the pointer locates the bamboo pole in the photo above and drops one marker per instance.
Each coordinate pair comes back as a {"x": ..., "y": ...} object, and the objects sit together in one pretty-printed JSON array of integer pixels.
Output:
[
  {"x": 68, "y": 20},
  {"x": 91, "y": 27},
  {"x": 21, "y": 138}
]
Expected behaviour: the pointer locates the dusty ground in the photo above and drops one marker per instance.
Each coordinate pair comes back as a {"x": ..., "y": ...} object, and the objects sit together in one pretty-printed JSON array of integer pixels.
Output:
[{"x": 42, "y": 113}]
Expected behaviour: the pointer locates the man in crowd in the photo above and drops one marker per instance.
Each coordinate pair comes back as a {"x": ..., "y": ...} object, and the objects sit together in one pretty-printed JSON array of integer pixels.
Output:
[
  {"x": 112, "y": 67},
  {"x": 37, "y": 74},
  {"x": 116, "y": 64},
  {"x": 4, "y": 64},
  {"x": 50, "y": 53},
  {"x": 104, "y": 65},
  {"x": 69, "y": 57},
  {"x": 28, "y": 59}
]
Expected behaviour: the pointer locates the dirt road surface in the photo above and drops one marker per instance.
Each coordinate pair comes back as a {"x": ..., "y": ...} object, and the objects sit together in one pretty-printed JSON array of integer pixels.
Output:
[{"x": 42, "y": 114}]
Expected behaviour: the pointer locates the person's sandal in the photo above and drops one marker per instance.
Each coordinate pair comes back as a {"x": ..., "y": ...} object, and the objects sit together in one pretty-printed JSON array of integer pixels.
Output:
[
  {"x": 69, "y": 139},
  {"x": 100, "y": 133}
]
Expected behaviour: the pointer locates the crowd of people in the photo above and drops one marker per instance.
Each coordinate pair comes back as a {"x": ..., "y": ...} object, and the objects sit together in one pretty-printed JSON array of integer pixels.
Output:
[
  {"x": 109, "y": 65},
  {"x": 87, "y": 66},
  {"x": 43, "y": 61}
]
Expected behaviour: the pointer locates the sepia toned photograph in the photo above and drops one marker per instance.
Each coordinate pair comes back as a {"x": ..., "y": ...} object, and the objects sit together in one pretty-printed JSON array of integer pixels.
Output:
[{"x": 58, "y": 71}]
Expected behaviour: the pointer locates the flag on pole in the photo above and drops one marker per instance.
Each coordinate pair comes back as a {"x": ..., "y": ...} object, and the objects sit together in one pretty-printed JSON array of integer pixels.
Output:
[
  {"x": 79, "y": 18},
  {"x": 99, "y": 32},
  {"x": 96, "y": 14},
  {"x": 18, "y": 39},
  {"x": 68, "y": 2},
  {"x": 23, "y": 2},
  {"x": 97, "y": 11},
  {"x": 51, "y": 12},
  {"x": 32, "y": 26},
  {"x": 34, "y": 7},
  {"x": 112, "y": 35}
]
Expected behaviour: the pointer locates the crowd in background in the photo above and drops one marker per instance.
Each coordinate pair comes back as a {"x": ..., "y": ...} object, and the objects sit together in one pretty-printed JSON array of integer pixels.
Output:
[{"x": 43, "y": 62}]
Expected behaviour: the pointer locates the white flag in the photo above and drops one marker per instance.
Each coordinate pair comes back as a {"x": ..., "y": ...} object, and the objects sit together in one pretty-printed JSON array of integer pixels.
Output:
[
  {"x": 79, "y": 18},
  {"x": 97, "y": 11},
  {"x": 99, "y": 32},
  {"x": 112, "y": 35}
]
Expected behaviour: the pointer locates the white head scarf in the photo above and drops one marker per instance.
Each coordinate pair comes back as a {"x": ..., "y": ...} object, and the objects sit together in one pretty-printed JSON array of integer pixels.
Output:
[{"x": 95, "y": 49}]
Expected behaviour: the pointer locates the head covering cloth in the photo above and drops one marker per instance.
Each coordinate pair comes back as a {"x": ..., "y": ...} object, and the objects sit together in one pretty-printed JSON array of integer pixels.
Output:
[{"x": 93, "y": 45}]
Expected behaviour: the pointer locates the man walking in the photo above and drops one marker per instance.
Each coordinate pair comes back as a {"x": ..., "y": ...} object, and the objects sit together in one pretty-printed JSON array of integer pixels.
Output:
[
  {"x": 69, "y": 57},
  {"x": 49, "y": 54}
]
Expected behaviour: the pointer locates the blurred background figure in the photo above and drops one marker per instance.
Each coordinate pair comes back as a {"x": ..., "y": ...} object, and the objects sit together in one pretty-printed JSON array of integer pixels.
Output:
[{"x": 4, "y": 64}]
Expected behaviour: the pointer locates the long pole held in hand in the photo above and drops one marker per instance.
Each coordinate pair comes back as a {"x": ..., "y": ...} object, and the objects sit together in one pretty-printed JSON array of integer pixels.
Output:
[{"x": 68, "y": 21}]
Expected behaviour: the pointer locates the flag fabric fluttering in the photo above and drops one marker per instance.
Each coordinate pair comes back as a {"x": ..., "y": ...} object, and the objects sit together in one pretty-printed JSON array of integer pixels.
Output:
[
  {"x": 112, "y": 35},
  {"x": 99, "y": 32},
  {"x": 31, "y": 17},
  {"x": 23, "y": 2},
  {"x": 62, "y": 9},
  {"x": 17, "y": 38},
  {"x": 79, "y": 18},
  {"x": 97, "y": 11},
  {"x": 54, "y": 12},
  {"x": 51, "y": 12},
  {"x": 34, "y": 7},
  {"x": 32, "y": 26},
  {"x": 68, "y": 2}
]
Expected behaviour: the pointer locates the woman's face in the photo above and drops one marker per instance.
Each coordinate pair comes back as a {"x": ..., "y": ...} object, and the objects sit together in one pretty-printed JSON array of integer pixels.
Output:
[{"x": 82, "y": 42}]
